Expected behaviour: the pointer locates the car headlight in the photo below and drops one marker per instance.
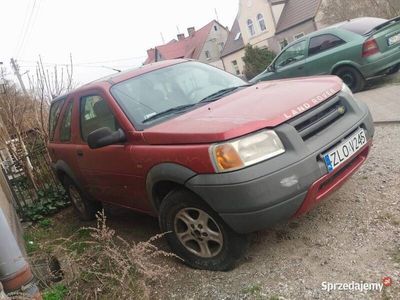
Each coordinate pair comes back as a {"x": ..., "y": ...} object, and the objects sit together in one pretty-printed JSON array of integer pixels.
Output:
[
  {"x": 346, "y": 89},
  {"x": 246, "y": 151}
]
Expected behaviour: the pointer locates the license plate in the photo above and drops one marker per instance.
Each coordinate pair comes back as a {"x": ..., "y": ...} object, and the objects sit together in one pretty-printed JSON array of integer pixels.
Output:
[
  {"x": 394, "y": 39},
  {"x": 338, "y": 155}
]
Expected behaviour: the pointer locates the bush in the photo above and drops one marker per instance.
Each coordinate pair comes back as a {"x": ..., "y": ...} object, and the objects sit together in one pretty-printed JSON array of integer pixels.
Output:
[{"x": 256, "y": 60}]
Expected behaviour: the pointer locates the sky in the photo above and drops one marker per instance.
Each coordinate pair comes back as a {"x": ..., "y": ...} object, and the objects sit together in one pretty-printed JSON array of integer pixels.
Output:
[{"x": 99, "y": 34}]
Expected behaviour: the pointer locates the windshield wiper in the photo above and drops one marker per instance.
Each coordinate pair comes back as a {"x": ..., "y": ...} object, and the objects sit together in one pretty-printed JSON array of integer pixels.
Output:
[
  {"x": 217, "y": 95},
  {"x": 168, "y": 111}
]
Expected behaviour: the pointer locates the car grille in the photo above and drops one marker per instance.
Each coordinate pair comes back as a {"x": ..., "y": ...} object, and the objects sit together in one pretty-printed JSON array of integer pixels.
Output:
[{"x": 314, "y": 121}]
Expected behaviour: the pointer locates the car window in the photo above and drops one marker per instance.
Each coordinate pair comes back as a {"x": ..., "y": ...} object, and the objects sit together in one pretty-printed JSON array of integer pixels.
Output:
[
  {"x": 290, "y": 55},
  {"x": 55, "y": 110},
  {"x": 361, "y": 25},
  {"x": 94, "y": 114},
  {"x": 323, "y": 42},
  {"x": 65, "y": 130}
]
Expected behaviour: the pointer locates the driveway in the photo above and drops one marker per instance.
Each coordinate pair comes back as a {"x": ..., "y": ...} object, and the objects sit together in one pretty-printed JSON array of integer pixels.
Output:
[{"x": 384, "y": 102}]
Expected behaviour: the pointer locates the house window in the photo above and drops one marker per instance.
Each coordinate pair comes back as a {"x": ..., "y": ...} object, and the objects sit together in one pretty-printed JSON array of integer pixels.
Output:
[
  {"x": 235, "y": 67},
  {"x": 261, "y": 22},
  {"x": 250, "y": 26},
  {"x": 299, "y": 36},
  {"x": 215, "y": 28},
  {"x": 283, "y": 43},
  {"x": 207, "y": 53},
  {"x": 238, "y": 36}
]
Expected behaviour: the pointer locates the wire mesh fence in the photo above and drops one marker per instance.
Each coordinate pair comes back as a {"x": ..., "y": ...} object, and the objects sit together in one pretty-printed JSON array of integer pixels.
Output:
[{"x": 35, "y": 188}]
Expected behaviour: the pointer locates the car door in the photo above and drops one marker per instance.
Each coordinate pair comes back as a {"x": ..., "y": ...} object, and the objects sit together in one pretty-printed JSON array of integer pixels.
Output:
[
  {"x": 107, "y": 173},
  {"x": 324, "y": 52},
  {"x": 291, "y": 61}
]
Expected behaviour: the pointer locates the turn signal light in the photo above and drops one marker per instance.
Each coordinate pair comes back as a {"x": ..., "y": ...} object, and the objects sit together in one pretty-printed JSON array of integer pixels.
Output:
[
  {"x": 370, "y": 47},
  {"x": 227, "y": 157}
]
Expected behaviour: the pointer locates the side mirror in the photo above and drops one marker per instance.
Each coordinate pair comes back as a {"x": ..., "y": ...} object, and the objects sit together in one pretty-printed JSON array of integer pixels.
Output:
[
  {"x": 104, "y": 136},
  {"x": 271, "y": 68}
]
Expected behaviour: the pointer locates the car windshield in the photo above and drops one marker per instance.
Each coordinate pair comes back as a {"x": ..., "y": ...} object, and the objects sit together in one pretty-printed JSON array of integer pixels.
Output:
[{"x": 163, "y": 93}]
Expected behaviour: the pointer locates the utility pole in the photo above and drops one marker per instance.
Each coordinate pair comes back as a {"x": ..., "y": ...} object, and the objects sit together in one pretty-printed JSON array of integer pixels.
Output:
[{"x": 15, "y": 67}]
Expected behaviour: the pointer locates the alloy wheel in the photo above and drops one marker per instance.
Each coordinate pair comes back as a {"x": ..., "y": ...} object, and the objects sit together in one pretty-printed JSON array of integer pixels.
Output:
[{"x": 198, "y": 232}]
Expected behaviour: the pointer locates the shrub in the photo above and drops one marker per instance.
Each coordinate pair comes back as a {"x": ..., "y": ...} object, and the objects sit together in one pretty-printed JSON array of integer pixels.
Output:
[{"x": 256, "y": 60}]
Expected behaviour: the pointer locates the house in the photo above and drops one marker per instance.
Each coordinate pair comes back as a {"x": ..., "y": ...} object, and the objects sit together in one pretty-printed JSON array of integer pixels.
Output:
[
  {"x": 268, "y": 24},
  {"x": 204, "y": 45}
]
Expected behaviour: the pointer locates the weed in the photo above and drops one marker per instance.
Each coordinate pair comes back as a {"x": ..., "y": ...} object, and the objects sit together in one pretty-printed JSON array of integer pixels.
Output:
[
  {"x": 56, "y": 292},
  {"x": 254, "y": 291},
  {"x": 96, "y": 263},
  {"x": 50, "y": 201}
]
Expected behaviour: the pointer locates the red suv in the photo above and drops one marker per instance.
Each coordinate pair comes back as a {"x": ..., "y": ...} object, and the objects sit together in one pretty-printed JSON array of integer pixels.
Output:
[{"x": 211, "y": 156}]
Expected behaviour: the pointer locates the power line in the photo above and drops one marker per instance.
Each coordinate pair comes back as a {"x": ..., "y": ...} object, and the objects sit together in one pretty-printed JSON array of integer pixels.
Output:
[
  {"x": 31, "y": 28},
  {"x": 23, "y": 27},
  {"x": 87, "y": 63},
  {"x": 26, "y": 29}
]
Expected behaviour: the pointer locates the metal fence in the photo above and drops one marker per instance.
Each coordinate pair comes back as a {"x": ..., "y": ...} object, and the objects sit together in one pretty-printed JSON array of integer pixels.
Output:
[{"x": 30, "y": 187}]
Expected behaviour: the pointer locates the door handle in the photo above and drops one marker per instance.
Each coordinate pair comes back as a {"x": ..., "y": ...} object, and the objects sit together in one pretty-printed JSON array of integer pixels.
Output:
[
  {"x": 300, "y": 68},
  {"x": 79, "y": 152}
]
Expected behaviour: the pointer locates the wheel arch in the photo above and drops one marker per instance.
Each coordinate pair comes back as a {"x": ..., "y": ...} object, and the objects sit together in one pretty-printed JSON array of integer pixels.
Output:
[
  {"x": 342, "y": 64},
  {"x": 62, "y": 170},
  {"x": 164, "y": 178}
]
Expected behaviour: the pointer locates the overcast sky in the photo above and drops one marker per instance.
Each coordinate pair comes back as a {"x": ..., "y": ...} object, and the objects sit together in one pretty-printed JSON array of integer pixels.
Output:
[{"x": 98, "y": 32}]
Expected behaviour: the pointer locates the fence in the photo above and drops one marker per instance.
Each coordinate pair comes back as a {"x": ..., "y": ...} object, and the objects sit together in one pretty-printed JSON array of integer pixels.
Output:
[{"x": 36, "y": 191}]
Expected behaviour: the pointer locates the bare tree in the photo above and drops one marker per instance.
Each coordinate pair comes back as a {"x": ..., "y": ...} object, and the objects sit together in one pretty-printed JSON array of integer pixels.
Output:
[
  {"x": 335, "y": 11},
  {"x": 21, "y": 114}
]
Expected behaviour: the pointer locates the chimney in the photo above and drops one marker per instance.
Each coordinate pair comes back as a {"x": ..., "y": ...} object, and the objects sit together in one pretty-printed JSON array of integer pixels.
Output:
[
  {"x": 180, "y": 36},
  {"x": 191, "y": 31}
]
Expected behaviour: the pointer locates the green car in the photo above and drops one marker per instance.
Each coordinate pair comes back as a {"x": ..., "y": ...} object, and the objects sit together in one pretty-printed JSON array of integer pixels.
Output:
[{"x": 354, "y": 50}]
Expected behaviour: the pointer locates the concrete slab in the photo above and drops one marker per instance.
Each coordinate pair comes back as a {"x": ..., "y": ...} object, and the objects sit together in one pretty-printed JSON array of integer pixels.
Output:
[{"x": 383, "y": 102}]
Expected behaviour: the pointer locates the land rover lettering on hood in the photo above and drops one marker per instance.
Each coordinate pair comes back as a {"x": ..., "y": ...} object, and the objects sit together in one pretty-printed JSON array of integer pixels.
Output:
[{"x": 211, "y": 156}]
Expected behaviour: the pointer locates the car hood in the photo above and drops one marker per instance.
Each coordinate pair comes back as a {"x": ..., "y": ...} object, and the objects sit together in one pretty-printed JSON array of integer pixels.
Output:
[{"x": 264, "y": 105}]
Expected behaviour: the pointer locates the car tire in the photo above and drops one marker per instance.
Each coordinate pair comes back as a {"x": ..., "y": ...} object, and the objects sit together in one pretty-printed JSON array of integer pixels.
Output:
[
  {"x": 197, "y": 234},
  {"x": 393, "y": 70},
  {"x": 352, "y": 77},
  {"x": 85, "y": 207}
]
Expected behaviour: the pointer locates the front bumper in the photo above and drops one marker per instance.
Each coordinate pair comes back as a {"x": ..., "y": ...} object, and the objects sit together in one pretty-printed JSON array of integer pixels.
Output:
[{"x": 288, "y": 185}]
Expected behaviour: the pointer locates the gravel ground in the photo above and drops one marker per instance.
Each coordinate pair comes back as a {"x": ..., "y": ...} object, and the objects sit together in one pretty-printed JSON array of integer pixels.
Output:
[{"x": 352, "y": 236}]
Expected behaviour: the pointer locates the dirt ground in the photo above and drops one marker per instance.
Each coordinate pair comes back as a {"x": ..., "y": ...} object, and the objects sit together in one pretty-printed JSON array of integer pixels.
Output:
[{"x": 352, "y": 236}]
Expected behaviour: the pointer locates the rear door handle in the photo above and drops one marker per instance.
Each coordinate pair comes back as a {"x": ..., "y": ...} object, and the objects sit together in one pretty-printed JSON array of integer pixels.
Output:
[{"x": 79, "y": 152}]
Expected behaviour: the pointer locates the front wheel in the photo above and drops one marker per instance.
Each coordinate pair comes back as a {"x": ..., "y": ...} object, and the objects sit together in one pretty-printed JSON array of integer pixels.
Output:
[
  {"x": 197, "y": 234},
  {"x": 85, "y": 207},
  {"x": 352, "y": 77}
]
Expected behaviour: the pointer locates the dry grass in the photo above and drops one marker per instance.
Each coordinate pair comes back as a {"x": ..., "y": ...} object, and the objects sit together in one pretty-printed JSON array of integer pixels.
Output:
[{"x": 95, "y": 263}]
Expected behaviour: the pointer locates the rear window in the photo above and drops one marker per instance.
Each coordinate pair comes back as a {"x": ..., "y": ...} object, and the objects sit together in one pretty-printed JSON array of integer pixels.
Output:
[
  {"x": 363, "y": 25},
  {"x": 55, "y": 110}
]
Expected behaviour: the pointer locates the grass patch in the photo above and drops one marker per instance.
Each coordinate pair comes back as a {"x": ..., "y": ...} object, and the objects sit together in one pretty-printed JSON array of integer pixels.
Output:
[
  {"x": 56, "y": 292},
  {"x": 254, "y": 291}
]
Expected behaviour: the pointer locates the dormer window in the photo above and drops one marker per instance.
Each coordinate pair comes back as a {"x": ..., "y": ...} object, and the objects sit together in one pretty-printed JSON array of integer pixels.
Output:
[
  {"x": 261, "y": 22},
  {"x": 250, "y": 26}
]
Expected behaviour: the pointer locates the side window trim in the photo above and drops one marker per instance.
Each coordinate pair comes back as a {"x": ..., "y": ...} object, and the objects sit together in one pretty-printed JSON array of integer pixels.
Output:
[
  {"x": 69, "y": 105},
  {"x": 331, "y": 34}
]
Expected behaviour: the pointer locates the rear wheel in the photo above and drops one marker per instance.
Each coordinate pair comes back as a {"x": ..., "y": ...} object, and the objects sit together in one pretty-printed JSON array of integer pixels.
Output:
[
  {"x": 352, "y": 77},
  {"x": 197, "y": 234},
  {"x": 85, "y": 208}
]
